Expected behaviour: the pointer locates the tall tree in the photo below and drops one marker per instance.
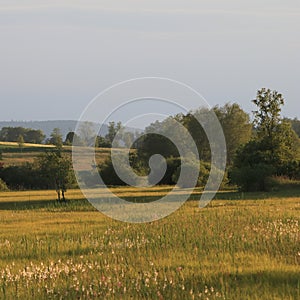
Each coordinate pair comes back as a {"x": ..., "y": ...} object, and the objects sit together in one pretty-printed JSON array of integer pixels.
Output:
[
  {"x": 56, "y": 138},
  {"x": 267, "y": 115},
  {"x": 21, "y": 142},
  {"x": 273, "y": 151},
  {"x": 236, "y": 126},
  {"x": 113, "y": 130}
]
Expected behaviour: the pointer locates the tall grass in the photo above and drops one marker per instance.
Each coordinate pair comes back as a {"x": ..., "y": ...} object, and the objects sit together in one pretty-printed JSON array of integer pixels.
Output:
[{"x": 233, "y": 249}]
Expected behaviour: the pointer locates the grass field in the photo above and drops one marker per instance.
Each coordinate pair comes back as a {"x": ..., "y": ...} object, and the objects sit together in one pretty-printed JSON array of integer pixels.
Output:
[
  {"x": 13, "y": 155},
  {"x": 233, "y": 249}
]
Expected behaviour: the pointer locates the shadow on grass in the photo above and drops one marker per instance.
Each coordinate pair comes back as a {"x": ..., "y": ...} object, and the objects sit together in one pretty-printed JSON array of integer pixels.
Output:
[
  {"x": 51, "y": 205},
  {"x": 285, "y": 192},
  {"x": 84, "y": 205},
  {"x": 280, "y": 283}
]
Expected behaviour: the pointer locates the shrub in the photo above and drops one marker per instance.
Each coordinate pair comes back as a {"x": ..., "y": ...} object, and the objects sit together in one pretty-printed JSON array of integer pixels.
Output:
[
  {"x": 191, "y": 168},
  {"x": 3, "y": 186},
  {"x": 252, "y": 178}
]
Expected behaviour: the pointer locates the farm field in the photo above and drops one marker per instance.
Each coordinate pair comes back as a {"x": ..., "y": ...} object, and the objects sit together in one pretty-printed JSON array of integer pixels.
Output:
[
  {"x": 12, "y": 154},
  {"x": 242, "y": 246}
]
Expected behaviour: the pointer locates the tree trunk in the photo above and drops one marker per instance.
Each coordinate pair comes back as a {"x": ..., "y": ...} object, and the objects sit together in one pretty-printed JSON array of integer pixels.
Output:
[
  {"x": 58, "y": 194},
  {"x": 63, "y": 195}
]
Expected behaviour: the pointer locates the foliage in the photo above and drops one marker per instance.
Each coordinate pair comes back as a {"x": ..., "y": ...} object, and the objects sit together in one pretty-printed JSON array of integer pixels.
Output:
[
  {"x": 113, "y": 130},
  {"x": 56, "y": 168},
  {"x": 252, "y": 178},
  {"x": 173, "y": 163},
  {"x": 25, "y": 176},
  {"x": 102, "y": 142},
  {"x": 273, "y": 152},
  {"x": 3, "y": 186},
  {"x": 12, "y": 134},
  {"x": 71, "y": 138},
  {"x": 236, "y": 126},
  {"x": 295, "y": 124},
  {"x": 267, "y": 115},
  {"x": 190, "y": 167},
  {"x": 56, "y": 138},
  {"x": 109, "y": 175},
  {"x": 86, "y": 135}
]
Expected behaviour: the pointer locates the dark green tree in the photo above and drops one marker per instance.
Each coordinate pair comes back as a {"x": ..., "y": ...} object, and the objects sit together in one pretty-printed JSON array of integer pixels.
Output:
[
  {"x": 34, "y": 136},
  {"x": 56, "y": 167},
  {"x": 267, "y": 116},
  {"x": 72, "y": 138}
]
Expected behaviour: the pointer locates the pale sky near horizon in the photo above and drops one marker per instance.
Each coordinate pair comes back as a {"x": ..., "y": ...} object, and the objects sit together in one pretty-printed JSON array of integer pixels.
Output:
[{"x": 55, "y": 56}]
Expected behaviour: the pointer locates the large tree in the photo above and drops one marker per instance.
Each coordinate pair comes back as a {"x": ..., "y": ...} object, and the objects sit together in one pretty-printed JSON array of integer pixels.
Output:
[
  {"x": 273, "y": 151},
  {"x": 236, "y": 126}
]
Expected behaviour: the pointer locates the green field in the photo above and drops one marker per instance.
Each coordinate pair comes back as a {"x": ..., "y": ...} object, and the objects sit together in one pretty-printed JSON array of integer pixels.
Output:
[{"x": 233, "y": 249}]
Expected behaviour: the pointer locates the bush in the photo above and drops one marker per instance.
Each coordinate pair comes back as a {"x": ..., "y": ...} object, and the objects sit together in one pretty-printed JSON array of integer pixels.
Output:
[
  {"x": 109, "y": 175},
  {"x": 3, "y": 186},
  {"x": 173, "y": 163},
  {"x": 191, "y": 168},
  {"x": 252, "y": 178},
  {"x": 25, "y": 176},
  {"x": 289, "y": 169}
]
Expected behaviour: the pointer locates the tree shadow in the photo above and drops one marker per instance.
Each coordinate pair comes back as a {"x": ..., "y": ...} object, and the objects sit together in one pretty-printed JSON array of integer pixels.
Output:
[{"x": 45, "y": 204}]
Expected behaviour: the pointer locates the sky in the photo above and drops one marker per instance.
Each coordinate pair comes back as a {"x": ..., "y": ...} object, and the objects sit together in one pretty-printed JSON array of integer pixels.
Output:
[{"x": 56, "y": 56}]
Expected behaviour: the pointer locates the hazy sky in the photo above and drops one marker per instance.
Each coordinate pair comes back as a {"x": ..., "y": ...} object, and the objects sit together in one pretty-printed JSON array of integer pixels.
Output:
[{"x": 55, "y": 56}]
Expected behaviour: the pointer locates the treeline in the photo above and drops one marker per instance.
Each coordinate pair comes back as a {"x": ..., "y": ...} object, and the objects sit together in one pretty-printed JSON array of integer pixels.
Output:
[
  {"x": 27, "y": 135},
  {"x": 17, "y": 134},
  {"x": 51, "y": 170},
  {"x": 258, "y": 151}
]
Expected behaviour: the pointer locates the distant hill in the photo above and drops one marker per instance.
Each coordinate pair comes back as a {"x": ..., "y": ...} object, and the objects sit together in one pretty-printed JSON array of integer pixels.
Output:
[
  {"x": 47, "y": 127},
  {"x": 65, "y": 126}
]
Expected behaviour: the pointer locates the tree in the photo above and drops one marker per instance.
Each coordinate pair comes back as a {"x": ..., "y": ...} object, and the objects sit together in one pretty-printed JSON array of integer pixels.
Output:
[
  {"x": 128, "y": 138},
  {"x": 12, "y": 134},
  {"x": 86, "y": 135},
  {"x": 102, "y": 142},
  {"x": 273, "y": 152},
  {"x": 236, "y": 126},
  {"x": 21, "y": 142},
  {"x": 113, "y": 130},
  {"x": 56, "y": 167},
  {"x": 267, "y": 115},
  {"x": 295, "y": 124},
  {"x": 34, "y": 136},
  {"x": 190, "y": 121},
  {"x": 56, "y": 138}
]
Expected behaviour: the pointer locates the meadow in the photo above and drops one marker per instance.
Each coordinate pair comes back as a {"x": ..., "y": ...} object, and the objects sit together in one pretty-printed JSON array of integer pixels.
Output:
[
  {"x": 13, "y": 155},
  {"x": 242, "y": 246}
]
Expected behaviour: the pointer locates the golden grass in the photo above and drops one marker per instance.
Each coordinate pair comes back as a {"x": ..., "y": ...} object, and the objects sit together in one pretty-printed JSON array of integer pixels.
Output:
[{"x": 233, "y": 249}]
